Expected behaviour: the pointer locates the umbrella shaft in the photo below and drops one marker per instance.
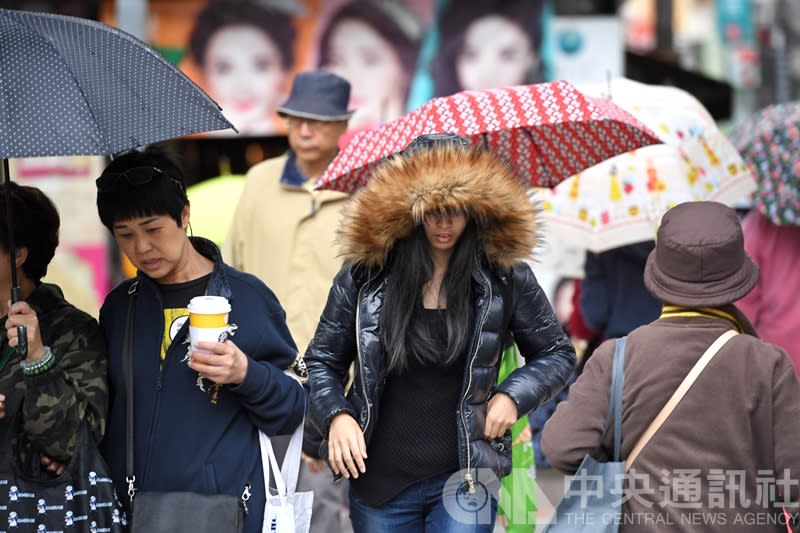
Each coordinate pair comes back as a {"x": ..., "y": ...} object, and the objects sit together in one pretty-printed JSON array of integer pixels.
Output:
[
  {"x": 12, "y": 248},
  {"x": 22, "y": 333}
]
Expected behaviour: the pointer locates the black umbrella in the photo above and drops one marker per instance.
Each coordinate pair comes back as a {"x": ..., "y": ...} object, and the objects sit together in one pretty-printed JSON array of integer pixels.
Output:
[
  {"x": 72, "y": 86},
  {"x": 655, "y": 69}
]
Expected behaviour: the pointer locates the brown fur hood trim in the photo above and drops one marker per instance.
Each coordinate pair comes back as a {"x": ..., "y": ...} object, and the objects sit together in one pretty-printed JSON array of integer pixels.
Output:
[{"x": 403, "y": 189}]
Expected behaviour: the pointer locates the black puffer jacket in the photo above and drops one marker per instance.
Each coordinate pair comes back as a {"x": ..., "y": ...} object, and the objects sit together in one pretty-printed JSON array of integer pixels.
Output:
[{"x": 508, "y": 299}]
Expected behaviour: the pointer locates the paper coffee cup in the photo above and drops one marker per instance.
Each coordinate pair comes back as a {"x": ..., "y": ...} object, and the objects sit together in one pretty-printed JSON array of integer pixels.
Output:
[{"x": 208, "y": 319}]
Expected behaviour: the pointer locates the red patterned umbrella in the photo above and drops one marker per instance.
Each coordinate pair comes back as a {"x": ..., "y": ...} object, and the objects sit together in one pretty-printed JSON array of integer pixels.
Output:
[{"x": 547, "y": 131}]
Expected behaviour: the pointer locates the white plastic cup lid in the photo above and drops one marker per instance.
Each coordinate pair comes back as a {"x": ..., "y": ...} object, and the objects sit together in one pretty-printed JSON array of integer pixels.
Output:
[{"x": 209, "y": 305}]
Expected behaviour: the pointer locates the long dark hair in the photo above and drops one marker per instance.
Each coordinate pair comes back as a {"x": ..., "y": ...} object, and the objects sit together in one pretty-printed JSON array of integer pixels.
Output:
[
  {"x": 411, "y": 266},
  {"x": 219, "y": 14},
  {"x": 406, "y": 46},
  {"x": 456, "y": 18}
]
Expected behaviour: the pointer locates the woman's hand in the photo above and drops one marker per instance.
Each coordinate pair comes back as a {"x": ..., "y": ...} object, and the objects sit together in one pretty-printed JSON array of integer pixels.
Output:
[
  {"x": 346, "y": 447},
  {"x": 226, "y": 364},
  {"x": 21, "y": 314},
  {"x": 500, "y": 415}
]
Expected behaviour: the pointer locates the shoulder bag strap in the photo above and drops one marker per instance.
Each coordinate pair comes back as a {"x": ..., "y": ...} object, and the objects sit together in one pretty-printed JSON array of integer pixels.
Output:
[
  {"x": 127, "y": 370},
  {"x": 615, "y": 399},
  {"x": 617, "y": 386},
  {"x": 687, "y": 382}
]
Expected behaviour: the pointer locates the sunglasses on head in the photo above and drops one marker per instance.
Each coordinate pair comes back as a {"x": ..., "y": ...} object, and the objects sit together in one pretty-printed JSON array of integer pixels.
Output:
[{"x": 133, "y": 176}]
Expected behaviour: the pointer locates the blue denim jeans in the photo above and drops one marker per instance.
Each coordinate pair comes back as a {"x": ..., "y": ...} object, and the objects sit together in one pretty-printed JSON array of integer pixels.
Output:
[{"x": 437, "y": 505}]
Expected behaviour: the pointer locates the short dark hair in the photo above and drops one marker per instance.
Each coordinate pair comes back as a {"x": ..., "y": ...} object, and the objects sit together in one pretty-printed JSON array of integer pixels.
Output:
[
  {"x": 164, "y": 194},
  {"x": 218, "y": 14},
  {"x": 35, "y": 227},
  {"x": 457, "y": 17}
]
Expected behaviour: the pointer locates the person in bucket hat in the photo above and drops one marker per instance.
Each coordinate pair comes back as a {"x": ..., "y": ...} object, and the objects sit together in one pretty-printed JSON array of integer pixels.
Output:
[
  {"x": 740, "y": 418},
  {"x": 283, "y": 232},
  {"x": 699, "y": 259}
]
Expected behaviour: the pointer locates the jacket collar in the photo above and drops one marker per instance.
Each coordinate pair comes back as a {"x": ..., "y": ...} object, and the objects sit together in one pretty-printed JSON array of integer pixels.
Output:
[
  {"x": 292, "y": 179},
  {"x": 729, "y": 313},
  {"x": 46, "y": 298},
  {"x": 291, "y": 176},
  {"x": 218, "y": 284}
]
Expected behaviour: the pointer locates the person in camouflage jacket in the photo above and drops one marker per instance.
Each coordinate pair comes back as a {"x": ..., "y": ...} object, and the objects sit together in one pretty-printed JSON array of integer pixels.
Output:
[{"x": 63, "y": 380}]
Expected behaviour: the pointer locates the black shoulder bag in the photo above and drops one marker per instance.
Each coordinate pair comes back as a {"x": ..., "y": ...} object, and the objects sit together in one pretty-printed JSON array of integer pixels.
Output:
[
  {"x": 82, "y": 499},
  {"x": 170, "y": 512}
]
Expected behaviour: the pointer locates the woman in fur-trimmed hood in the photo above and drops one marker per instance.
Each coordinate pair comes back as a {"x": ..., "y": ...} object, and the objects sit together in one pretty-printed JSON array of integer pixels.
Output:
[{"x": 433, "y": 288}]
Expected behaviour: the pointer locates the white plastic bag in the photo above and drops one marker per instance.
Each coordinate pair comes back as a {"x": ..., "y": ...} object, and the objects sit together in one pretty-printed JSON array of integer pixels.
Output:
[{"x": 287, "y": 511}]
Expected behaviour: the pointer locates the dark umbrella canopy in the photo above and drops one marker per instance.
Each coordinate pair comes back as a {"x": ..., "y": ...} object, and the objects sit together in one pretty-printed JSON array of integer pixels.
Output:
[{"x": 72, "y": 86}]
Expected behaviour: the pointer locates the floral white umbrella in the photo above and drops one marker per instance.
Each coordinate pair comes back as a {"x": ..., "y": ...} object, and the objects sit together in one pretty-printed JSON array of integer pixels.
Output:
[{"x": 621, "y": 200}]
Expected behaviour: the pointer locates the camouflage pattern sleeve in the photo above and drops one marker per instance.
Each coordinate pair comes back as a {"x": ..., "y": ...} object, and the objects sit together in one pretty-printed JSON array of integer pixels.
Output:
[{"x": 56, "y": 401}]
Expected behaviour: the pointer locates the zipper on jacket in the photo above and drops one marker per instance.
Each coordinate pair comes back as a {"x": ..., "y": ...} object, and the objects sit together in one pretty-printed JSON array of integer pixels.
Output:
[
  {"x": 157, "y": 403},
  {"x": 358, "y": 352},
  {"x": 468, "y": 475},
  {"x": 159, "y": 387}
]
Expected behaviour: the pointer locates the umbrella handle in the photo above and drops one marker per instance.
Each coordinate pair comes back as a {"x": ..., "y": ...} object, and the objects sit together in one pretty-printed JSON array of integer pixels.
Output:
[
  {"x": 22, "y": 331},
  {"x": 22, "y": 341}
]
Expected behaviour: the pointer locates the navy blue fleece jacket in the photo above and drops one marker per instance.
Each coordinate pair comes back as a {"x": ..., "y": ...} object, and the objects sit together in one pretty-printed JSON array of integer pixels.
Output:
[{"x": 183, "y": 442}]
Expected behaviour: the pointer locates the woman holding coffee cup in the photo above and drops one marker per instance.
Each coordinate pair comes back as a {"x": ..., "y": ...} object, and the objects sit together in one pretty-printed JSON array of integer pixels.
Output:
[{"x": 214, "y": 394}]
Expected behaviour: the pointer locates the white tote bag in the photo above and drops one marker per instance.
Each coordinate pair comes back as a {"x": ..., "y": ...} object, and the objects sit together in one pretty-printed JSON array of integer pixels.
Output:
[{"x": 287, "y": 511}]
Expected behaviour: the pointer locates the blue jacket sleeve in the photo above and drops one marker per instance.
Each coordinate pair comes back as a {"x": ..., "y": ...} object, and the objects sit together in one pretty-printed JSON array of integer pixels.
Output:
[
  {"x": 274, "y": 401},
  {"x": 549, "y": 355}
]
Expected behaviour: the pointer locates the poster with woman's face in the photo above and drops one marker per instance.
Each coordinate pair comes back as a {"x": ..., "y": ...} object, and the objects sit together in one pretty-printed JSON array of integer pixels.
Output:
[
  {"x": 488, "y": 44},
  {"x": 399, "y": 53},
  {"x": 396, "y": 54},
  {"x": 374, "y": 45},
  {"x": 243, "y": 53}
]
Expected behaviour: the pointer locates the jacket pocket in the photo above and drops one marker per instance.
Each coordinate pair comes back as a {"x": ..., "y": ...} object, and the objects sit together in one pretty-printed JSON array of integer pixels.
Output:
[
  {"x": 502, "y": 447},
  {"x": 493, "y": 454}
]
